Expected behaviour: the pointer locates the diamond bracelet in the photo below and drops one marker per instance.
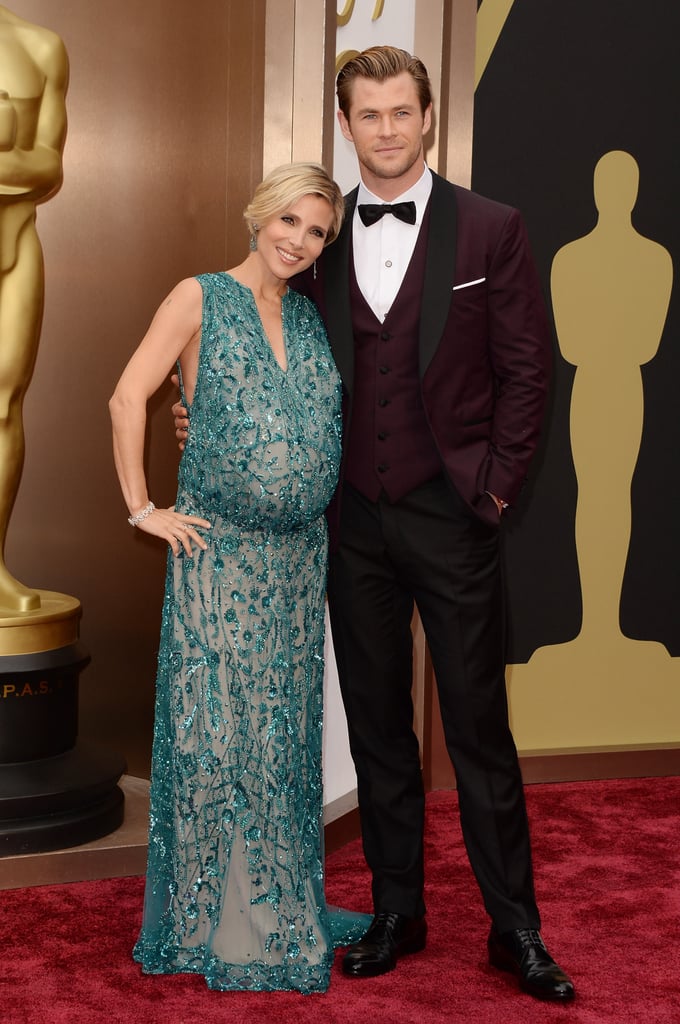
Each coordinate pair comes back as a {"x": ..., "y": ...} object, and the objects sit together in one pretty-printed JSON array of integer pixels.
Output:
[{"x": 141, "y": 515}]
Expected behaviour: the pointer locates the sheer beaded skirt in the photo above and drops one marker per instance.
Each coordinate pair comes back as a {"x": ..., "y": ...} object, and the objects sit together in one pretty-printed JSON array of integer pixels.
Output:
[{"x": 235, "y": 873}]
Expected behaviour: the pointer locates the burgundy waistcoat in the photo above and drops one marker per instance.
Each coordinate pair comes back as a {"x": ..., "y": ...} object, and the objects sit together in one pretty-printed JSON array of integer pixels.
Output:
[{"x": 388, "y": 445}]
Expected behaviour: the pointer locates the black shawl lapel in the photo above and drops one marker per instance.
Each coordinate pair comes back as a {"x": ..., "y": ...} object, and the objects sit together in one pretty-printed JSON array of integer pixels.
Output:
[
  {"x": 337, "y": 298},
  {"x": 440, "y": 268}
]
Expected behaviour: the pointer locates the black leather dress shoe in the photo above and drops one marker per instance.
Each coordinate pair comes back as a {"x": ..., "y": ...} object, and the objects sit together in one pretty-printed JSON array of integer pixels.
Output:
[
  {"x": 523, "y": 953},
  {"x": 389, "y": 937}
]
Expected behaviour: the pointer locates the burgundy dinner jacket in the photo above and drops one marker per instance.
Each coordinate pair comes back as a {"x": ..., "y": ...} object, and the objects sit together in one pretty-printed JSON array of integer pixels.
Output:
[{"x": 483, "y": 339}]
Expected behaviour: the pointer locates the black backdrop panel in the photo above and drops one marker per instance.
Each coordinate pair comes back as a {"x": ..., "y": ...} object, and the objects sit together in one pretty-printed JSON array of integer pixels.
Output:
[{"x": 566, "y": 83}]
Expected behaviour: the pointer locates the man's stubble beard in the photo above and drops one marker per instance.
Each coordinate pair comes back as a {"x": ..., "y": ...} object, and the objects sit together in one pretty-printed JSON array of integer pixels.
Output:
[{"x": 379, "y": 170}]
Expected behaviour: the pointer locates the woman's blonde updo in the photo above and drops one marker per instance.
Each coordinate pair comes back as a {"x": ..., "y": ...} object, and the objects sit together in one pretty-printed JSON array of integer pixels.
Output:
[{"x": 284, "y": 186}]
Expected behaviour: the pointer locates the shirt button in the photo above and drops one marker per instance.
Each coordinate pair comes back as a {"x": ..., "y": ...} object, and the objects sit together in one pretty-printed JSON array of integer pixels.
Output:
[
  {"x": 382, "y": 435},
  {"x": 384, "y": 369},
  {"x": 382, "y": 402},
  {"x": 382, "y": 468},
  {"x": 385, "y": 336},
  {"x": 388, "y": 263}
]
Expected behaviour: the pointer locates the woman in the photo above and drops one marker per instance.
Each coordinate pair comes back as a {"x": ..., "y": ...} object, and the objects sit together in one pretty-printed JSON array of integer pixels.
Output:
[{"x": 235, "y": 874}]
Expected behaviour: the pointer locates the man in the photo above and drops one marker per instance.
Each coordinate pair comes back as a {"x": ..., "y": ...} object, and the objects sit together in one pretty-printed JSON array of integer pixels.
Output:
[
  {"x": 33, "y": 82},
  {"x": 438, "y": 329}
]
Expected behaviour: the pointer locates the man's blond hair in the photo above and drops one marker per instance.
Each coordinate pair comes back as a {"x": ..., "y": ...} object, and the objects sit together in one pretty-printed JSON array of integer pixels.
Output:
[{"x": 380, "y": 63}]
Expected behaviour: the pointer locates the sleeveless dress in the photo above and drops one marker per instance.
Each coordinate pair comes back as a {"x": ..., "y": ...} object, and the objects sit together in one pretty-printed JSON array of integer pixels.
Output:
[{"x": 234, "y": 886}]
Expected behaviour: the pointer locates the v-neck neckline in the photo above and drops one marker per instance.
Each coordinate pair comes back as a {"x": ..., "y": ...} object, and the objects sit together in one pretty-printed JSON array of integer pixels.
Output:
[{"x": 247, "y": 288}]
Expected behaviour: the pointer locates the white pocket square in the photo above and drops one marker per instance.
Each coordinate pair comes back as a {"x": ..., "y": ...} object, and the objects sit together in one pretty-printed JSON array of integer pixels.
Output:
[{"x": 468, "y": 284}]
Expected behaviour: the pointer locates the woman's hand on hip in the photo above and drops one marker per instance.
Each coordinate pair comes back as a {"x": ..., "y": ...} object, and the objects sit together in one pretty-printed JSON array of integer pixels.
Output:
[{"x": 178, "y": 530}]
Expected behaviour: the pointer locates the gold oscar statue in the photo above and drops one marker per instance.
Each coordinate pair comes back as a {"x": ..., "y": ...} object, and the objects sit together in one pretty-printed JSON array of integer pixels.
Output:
[
  {"x": 55, "y": 790},
  {"x": 33, "y": 82},
  {"x": 610, "y": 293}
]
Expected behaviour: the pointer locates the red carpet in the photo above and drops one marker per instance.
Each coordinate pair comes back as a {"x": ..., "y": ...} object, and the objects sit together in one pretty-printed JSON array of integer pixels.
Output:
[{"x": 608, "y": 879}]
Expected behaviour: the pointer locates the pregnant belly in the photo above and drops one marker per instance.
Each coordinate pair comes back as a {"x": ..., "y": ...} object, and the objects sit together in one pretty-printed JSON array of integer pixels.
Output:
[{"x": 276, "y": 486}]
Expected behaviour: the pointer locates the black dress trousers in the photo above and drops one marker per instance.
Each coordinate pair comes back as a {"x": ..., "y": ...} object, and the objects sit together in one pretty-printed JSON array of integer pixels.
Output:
[{"x": 431, "y": 549}]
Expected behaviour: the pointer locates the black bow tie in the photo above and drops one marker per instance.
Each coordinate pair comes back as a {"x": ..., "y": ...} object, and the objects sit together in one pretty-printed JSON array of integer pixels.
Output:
[{"x": 370, "y": 213}]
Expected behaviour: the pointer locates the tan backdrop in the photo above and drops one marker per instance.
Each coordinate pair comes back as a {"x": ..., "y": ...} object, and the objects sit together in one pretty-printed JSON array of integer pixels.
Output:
[{"x": 163, "y": 97}]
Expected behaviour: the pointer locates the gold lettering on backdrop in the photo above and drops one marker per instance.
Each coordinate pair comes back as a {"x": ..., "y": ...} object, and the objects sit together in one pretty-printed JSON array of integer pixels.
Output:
[
  {"x": 343, "y": 57},
  {"x": 345, "y": 15},
  {"x": 610, "y": 293}
]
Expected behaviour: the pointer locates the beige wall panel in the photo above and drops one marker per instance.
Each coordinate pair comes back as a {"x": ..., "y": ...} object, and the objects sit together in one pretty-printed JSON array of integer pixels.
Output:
[
  {"x": 430, "y": 32},
  {"x": 460, "y": 106},
  {"x": 162, "y": 95},
  {"x": 299, "y": 72},
  {"x": 278, "y": 83}
]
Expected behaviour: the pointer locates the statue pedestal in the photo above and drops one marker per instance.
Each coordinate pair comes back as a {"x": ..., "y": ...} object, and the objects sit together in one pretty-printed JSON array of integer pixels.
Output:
[{"x": 55, "y": 791}]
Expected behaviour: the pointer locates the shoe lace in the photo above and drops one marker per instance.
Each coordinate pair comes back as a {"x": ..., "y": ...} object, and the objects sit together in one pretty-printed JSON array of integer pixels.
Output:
[
  {"x": 530, "y": 937},
  {"x": 384, "y": 919}
]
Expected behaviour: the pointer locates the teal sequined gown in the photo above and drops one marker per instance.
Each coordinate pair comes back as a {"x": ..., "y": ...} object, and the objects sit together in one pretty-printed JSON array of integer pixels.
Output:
[{"x": 235, "y": 870}]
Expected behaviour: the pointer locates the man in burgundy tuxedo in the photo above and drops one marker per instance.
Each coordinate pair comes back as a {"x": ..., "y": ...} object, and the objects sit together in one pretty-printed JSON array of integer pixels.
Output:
[{"x": 436, "y": 320}]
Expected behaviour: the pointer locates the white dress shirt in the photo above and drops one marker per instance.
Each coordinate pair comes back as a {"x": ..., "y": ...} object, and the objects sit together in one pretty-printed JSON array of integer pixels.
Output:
[{"x": 383, "y": 251}]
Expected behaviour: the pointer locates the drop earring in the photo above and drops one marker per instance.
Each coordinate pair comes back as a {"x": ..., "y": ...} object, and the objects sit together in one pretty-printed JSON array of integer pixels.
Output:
[
  {"x": 314, "y": 270},
  {"x": 252, "y": 244}
]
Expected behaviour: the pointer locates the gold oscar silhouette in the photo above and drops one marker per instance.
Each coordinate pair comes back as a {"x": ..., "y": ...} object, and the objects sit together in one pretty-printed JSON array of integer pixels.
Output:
[
  {"x": 610, "y": 294},
  {"x": 54, "y": 791}
]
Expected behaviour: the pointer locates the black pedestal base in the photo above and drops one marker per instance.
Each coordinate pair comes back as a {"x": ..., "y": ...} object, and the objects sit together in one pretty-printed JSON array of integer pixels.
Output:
[{"x": 62, "y": 801}]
